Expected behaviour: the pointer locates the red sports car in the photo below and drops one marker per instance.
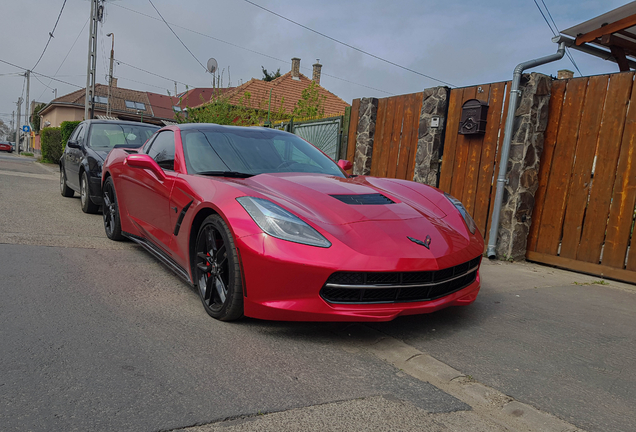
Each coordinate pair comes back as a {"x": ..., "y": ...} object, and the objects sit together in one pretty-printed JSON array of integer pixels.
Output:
[
  {"x": 6, "y": 146},
  {"x": 265, "y": 225}
]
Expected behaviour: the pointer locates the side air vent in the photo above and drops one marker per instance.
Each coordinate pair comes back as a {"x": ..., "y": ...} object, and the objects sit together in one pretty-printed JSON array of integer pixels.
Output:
[{"x": 364, "y": 199}]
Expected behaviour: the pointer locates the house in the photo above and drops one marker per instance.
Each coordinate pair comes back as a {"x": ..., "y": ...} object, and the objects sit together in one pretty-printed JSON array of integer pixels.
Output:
[
  {"x": 126, "y": 104},
  {"x": 286, "y": 91}
]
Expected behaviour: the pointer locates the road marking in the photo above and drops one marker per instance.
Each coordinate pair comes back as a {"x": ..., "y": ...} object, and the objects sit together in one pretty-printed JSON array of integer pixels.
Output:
[{"x": 36, "y": 176}]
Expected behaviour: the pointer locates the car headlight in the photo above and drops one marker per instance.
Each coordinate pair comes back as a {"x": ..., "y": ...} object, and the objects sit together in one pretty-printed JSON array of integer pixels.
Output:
[
  {"x": 280, "y": 223},
  {"x": 470, "y": 223}
]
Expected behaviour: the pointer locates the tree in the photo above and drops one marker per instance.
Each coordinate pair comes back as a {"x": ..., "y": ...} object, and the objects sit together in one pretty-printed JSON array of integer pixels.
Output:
[
  {"x": 35, "y": 118},
  {"x": 270, "y": 76},
  {"x": 5, "y": 133},
  {"x": 311, "y": 103}
]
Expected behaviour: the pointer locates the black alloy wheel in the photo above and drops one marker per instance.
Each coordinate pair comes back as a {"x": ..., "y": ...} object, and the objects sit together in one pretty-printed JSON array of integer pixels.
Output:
[
  {"x": 110, "y": 209},
  {"x": 217, "y": 271},
  {"x": 64, "y": 189},
  {"x": 88, "y": 206}
]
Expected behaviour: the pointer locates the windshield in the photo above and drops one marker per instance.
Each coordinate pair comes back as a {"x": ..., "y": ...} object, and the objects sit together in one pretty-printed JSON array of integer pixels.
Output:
[
  {"x": 253, "y": 151},
  {"x": 105, "y": 136}
]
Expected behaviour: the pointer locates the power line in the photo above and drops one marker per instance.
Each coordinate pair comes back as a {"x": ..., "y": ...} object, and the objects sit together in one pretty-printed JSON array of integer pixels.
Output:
[
  {"x": 567, "y": 51},
  {"x": 151, "y": 73},
  {"x": 350, "y": 46},
  {"x": 67, "y": 54},
  {"x": 244, "y": 48},
  {"x": 50, "y": 36},
  {"x": 184, "y": 45}
]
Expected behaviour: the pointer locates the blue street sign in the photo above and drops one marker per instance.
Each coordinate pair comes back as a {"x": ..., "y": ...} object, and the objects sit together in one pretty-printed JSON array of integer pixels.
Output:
[{"x": 26, "y": 128}]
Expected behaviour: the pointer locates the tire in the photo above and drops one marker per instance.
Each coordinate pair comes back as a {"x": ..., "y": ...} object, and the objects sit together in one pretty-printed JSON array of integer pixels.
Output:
[
  {"x": 217, "y": 271},
  {"x": 64, "y": 189},
  {"x": 110, "y": 210},
  {"x": 88, "y": 206}
]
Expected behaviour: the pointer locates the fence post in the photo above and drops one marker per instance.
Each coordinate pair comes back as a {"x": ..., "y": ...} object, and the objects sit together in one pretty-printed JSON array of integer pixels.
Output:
[
  {"x": 364, "y": 136},
  {"x": 531, "y": 119},
  {"x": 344, "y": 134},
  {"x": 430, "y": 138}
]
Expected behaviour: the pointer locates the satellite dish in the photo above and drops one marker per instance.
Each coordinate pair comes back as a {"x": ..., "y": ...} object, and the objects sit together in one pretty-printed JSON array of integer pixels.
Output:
[{"x": 212, "y": 65}]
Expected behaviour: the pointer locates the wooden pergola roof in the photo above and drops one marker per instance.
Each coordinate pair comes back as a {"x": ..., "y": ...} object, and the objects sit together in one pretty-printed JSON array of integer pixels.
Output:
[{"x": 614, "y": 32}]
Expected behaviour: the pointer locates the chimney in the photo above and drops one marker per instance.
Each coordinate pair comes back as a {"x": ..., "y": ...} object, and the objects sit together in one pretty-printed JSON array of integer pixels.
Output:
[
  {"x": 316, "y": 75},
  {"x": 565, "y": 74},
  {"x": 295, "y": 70},
  {"x": 113, "y": 82}
]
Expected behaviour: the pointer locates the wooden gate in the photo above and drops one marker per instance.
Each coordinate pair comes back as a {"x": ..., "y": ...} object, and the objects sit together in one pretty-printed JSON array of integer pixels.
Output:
[
  {"x": 469, "y": 161},
  {"x": 584, "y": 207},
  {"x": 395, "y": 141}
]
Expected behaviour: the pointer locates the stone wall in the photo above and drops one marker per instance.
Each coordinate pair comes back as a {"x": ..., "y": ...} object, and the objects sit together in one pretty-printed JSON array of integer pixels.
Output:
[
  {"x": 431, "y": 139},
  {"x": 531, "y": 119},
  {"x": 364, "y": 136}
]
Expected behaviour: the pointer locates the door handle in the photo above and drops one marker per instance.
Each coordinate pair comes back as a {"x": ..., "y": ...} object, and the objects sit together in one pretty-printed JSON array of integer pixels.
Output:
[{"x": 174, "y": 208}]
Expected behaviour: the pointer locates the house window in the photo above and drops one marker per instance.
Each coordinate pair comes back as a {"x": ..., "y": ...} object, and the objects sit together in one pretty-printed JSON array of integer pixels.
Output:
[
  {"x": 177, "y": 108},
  {"x": 135, "y": 105},
  {"x": 101, "y": 100}
]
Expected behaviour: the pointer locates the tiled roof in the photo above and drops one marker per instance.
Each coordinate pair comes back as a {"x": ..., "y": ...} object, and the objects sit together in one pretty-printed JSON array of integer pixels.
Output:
[
  {"x": 198, "y": 96},
  {"x": 286, "y": 92},
  {"x": 119, "y": 96}
]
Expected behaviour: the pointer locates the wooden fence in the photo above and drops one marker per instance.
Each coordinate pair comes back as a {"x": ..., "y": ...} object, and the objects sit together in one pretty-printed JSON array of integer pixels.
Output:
[
  {"x": 469, "y": 161},
  {"x": 584, "y": 207}
]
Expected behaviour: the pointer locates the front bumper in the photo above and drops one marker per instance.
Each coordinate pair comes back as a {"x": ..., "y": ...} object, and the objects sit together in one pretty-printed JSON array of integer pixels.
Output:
[{"x": 283, "y": 281}]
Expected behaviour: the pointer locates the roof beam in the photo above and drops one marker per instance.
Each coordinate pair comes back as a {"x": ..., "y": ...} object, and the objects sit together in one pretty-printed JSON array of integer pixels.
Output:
[
  {"x": 622, "y": 24},
  {"x": 614, "y": 41}
]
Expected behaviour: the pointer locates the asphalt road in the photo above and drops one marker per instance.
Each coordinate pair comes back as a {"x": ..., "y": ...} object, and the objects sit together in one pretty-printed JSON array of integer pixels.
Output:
[
  {"x": 97, "y": 335},
  {"x": 101, "y": 337}
]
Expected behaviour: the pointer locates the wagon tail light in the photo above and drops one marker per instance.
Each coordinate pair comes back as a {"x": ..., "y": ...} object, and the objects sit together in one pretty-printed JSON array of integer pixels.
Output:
[
  {"x": 279, "y": 223},
  {"x": 470, "y": 223}
]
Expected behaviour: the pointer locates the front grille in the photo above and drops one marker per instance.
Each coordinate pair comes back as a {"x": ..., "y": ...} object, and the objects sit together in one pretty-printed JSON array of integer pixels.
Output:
[
  {"x": 364, "y": 199},
  {"x": 393, "y": 287}
]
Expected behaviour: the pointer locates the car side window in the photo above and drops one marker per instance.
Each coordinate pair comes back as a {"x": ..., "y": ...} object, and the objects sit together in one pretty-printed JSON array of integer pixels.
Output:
[
  {"x": 80, "y": 134},
  {"x": 162, "y": 150},
  {"x": 75, "y": 136}
]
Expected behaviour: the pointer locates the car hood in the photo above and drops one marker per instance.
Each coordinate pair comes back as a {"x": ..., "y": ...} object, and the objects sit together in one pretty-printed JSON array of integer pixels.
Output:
[
  {"x": 316, "y": 197},
  {"x": 381, "y": 228},
  {"x": 100, "y": 154}
]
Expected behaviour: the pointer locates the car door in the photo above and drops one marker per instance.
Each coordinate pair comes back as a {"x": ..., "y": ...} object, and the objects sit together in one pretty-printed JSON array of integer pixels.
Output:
[
  {"x": 148, "y": 197},
  {"x": 73, "y": 157}
]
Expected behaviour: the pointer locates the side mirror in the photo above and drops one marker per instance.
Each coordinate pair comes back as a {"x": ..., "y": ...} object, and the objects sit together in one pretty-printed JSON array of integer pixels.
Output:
[
  {"x": 73, "y": 144},
  {"x": 143, "y": 161},
  {"x": 345, "y": 164}
]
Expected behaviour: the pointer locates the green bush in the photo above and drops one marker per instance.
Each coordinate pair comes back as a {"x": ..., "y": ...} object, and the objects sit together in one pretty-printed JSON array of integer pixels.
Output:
[
  {"x": 51, "y": 144},
  {"x": 67, "y": 128}
]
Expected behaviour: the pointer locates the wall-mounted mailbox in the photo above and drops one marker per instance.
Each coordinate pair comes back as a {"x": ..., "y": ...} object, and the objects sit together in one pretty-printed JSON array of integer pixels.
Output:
[{"x": 474, "y": 114}]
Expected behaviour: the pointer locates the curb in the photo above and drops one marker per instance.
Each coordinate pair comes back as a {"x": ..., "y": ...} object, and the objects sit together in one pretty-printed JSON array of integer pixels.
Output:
[{"x": 485, "y": 401}]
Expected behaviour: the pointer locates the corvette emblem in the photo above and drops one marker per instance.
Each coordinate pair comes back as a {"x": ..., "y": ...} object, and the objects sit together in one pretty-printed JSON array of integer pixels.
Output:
[{"x": 426, "y": 243}]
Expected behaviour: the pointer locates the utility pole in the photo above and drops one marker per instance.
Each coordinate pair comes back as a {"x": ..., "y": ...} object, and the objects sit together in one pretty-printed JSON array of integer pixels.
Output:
[
  {"x": 27, "y": 111},
  {"x": 175, "y": 89},
  {"x": 110, "y": 74},
  {"x": 17, "y": 128},
  {"x": 89, "y": 108},
  {"x": 12, "y": 121}
]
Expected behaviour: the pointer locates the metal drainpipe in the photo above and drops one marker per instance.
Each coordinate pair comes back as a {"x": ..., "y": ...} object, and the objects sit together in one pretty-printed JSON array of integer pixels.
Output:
[{"x": 505, "y": 151}]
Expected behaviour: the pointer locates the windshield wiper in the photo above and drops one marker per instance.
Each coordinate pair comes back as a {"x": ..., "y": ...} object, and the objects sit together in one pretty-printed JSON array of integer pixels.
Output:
[{"x": 235, "y": 174}]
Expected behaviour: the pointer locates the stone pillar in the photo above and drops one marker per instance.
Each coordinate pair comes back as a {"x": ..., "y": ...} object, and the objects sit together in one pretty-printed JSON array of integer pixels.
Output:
[
  {"x": 430, "y": 138},
  {"x": 364, "y": 136},
  {"x": 531, "y": 119},
  {"x": 565, "y": 74}
]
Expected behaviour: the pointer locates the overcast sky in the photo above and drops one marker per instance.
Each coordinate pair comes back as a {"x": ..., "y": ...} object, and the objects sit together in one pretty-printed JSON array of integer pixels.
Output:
[{"x": 456, "y": 41}]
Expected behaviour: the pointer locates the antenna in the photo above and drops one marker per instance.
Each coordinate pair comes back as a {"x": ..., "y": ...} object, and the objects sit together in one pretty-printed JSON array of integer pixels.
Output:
[{"x": 212, "y": 65}]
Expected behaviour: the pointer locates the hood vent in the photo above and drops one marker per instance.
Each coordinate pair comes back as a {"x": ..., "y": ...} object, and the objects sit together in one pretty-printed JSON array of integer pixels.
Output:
[{"x": 364, "y": 199}]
